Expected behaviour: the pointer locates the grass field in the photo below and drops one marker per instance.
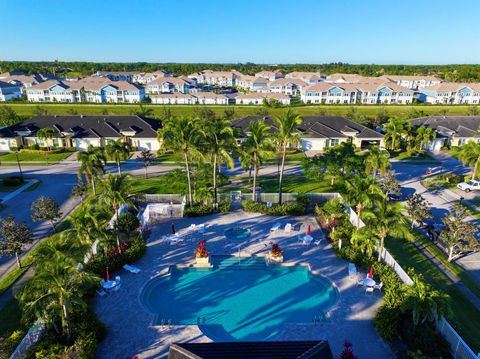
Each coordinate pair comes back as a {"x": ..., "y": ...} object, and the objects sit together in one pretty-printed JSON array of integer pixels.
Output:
[
  {"x": 34, "y": 157},
  {"x": 26, "y": 109}
]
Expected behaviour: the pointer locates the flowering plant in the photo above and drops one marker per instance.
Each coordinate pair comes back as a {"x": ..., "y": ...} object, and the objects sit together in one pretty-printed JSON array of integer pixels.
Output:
[
  {"x": 276, "y": 250},
  {"x": 201, "y": 250}
]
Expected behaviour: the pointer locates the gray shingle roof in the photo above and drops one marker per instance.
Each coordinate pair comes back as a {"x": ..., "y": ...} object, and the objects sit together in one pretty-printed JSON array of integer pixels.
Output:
[{"x": 461, "y": 126}]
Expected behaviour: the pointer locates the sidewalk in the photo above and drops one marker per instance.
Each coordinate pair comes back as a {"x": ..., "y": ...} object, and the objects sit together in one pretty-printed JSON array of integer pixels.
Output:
[{"x": 19, "y": 190}]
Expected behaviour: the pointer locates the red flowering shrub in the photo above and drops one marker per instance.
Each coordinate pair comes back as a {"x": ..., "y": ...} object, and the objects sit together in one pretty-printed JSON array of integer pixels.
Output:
[
  {"x": 201, "y": 250},
  {"x": 276, "y": 250},
  {"x": 347, "y": 352}
]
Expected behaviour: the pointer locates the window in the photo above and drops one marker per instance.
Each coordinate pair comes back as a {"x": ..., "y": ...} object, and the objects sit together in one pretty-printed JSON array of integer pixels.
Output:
[{"x": 334, "y": 142}]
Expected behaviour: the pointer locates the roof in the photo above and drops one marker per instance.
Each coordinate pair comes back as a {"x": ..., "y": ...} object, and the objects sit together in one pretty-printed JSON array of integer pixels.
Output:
[
  {"x": 308, "y": 349},
  {"x": 7, "y": 85},
  {"x": 461, "y": 126},
  {"x": 411, "y": 78},
  {"x": 453, "y": 86},
  {"x": 259, "y": 95},
  {"x": 285, "y": 81},
  {"x": 173, "y": 80},
  {"x": 345, "y": 77},
  {"x": 317, "y": 127},
  {"x": 88, "y": 83},
  {"x": 86, "y": 126}
]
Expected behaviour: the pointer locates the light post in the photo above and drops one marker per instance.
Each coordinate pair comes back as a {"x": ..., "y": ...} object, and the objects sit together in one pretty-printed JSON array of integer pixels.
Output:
[{"x": 19, "y": 167}]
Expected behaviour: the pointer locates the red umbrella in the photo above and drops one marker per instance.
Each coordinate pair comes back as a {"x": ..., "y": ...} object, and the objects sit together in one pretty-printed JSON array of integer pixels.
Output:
[
  {"x": 309, "y": 230},
  {"x": 173, "y": 228},
  {"x": 370, "y": 274},
  {"x": 107, "y": 274}
]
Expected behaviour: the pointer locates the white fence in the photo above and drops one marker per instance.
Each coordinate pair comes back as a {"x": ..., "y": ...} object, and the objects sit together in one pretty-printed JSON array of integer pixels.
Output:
[
  {"x": 161, "y": 198},
  {"x": 35, "y": 333},
  {"x": 388, "y": 259},
  {"x": 460, "y": 349}
]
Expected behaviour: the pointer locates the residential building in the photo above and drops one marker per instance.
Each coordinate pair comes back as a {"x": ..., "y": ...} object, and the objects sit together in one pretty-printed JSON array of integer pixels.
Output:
[
  {"x": 147, "y": 77},
  {"x": 269, "y": 75},
  {"x": 318, "y": 133},
  {"x": 413, "y": 82},
  {"x": 450, "y": 130},
  {"x": 384, "y": 93},
  {"x": 308, "y": 77},
  {"x": 173, "y": 99},
  {"x": 52, "y": 91},
  {"x": 256, "y": 98},
  {"x": 82, "y": 131},
  {"x": 217, "y": 78},
  {"x": 211, "y": 98},
  {"x": 287, "y": 86},
  {"x": 451, "y": 93},
  {"x": 340, "y": 78},
  {"x": 168, "y": 85},
  {"x": 9, "y": 92},
  {"x": 328, "y": 93},
  {"x": 252, "y": 83},
  {"x": 118, "y": 75},
  {"x": 24, "y": 81}
]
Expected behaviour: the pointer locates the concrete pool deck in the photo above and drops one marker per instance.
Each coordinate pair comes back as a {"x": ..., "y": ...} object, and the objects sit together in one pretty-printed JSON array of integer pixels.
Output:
[{"x": 130, "y": 329}]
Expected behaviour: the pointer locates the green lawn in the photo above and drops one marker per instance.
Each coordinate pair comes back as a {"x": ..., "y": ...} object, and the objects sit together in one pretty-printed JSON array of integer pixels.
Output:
[
  {"x": 170, "y": 157},
  {"x": 465, "y": 316},
  {"x": 11, "y": 315},
  {"x": 159, "y": 184},
  {"x": 34, "y": 157},
  {"x": 297, "y": 184},
  {"x": 26, "y": 109},
  {"x": 4, "y": 188}
]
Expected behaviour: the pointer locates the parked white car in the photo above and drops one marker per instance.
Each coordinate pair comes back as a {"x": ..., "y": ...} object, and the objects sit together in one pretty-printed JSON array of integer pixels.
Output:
[{"x": 472, "y": 185}]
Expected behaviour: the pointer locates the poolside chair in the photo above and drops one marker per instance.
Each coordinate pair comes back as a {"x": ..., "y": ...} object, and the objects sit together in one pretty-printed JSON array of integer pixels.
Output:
[
  {"x": 191, "y": 229},
  {"x": 288, "y": 227},
  {"x": 131, "y": 269},
  {"x": 117, "y": 287},
  {"x": 378, "y": 286},
  {"x": 275, "y": 227},
  {"x": 369, "y": 290},
  {"x": 117, "y": 279},
  {"x": 201, "y": 228},
  {"x": 360, "y": 282},
  {"x": 352, "y": 270}
]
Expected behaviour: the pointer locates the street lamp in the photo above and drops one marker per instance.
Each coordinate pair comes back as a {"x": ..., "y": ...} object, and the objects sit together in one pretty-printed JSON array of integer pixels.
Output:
[{"x": 19, "y": 167}]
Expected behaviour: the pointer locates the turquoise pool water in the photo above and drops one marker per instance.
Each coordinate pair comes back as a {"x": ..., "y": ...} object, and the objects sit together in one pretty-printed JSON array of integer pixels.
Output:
[
  {"x": 237, "y": 233},
  {"x": 239, "y": 300}
]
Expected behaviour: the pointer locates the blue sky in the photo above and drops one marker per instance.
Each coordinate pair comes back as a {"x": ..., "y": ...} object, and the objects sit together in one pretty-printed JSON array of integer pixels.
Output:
[{"x": 260, "y": 31}]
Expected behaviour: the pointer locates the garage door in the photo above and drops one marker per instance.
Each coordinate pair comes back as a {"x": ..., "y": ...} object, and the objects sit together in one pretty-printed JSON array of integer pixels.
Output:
[
  {"x": 4, "y": 145},
  {"x": 310, "y": 144}
]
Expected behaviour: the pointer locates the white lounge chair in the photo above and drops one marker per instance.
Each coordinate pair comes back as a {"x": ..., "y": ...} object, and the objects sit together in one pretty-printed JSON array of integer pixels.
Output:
[
  {"x": 352, "y": 270},
  {"x": 201, "y": 228},
  {"x": 378, "y": 286},
  {"x": 131, "y": 269},
  {"x": 369, "y": 290},
  {"x": 192, "y": 228},
  {"x": 117, "y": 279},
  {"x": 275, "y": 227},
  {"x": 288, "y": 227}
]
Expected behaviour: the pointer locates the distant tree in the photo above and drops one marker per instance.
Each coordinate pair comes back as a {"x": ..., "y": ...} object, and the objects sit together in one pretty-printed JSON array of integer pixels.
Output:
[
  {"x": 381, "y": 117},
  {"x": 46, "y": 209},
  {"x": 458, "y": 234},
  {"x": 473, "y": 111},
  {"x": 144, "y": 111},
  {"x": 118, "y": 151},
  {"x": 229, "y": 113},
  {"x": 40, "y": 111},
  {"x": 389, "y": 183},
  {"x": 376, "y": 161},
  {"x": 8, "y": 116},
  {"x": 354, "y": 115},
  {"x": 469, "y": 154},
  {"x": 395, "y": 129},
  {"x": 147, "y": 158},
  {"x": 79, "y": 190},
  {"x": 418, "y": 208},
  {"x": 46, "y": 134},
  {"x": 13, "y": 238},
  {"x": 105, "y": 112}
]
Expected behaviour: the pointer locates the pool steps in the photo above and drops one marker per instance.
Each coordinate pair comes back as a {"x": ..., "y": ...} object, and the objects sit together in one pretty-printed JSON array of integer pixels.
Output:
[{"x": 233, "y": 262}]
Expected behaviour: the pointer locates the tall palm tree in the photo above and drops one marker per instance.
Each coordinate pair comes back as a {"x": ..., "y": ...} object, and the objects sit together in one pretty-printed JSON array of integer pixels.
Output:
[
  {"x": 395, "y": 128},
  {"x": 182, "y": 134},
  {"x": 85, "y": 225},
  {"x": 469, "y": 154},
  {"x": 364, "y": 239},
  {"x": 56, "y": 288},
  {"x": 118, "y": 151},
  {"x": 256, "y": 147},
  {"x": 92, "y": 164},
  {"x": 376, "y": 161},
  {"x": 219, "y": 142},
  {"x": 423, "y": 136},
  {"x": 362, "y": 192},
  {"x": 386, "y": 219},
  {"x": 46, "y": 134},
  {"x": 287, "y": 134}
]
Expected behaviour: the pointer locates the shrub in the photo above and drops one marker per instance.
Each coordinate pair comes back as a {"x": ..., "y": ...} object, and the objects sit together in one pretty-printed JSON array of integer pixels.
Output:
[
  {"x": 198, "y": 210},
  {"x": 276, "y": 250},
  {"x": 12, "y": 181},
  {"x": 387, "y": 322},
  {"x": 127, "y": 222},
  {"x": 8, "y": 345},
  {"x": 285, "y": 209},
  {"x": 224, "y": 206},
  {"x": 201, "y": 250},
  {"x": 425, "y": 338}
]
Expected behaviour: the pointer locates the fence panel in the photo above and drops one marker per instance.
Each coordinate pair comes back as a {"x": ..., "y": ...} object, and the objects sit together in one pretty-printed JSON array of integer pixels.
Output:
[
  {"x": 460, "y": 349},
  {"x": 35, "y": 333},
  {"x": 388, "y": 259},
  {"x": 161, "y": 198}
]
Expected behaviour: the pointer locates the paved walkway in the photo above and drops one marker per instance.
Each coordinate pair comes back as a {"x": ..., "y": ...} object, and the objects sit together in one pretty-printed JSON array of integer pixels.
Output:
[{"x": 131, "y": 328}]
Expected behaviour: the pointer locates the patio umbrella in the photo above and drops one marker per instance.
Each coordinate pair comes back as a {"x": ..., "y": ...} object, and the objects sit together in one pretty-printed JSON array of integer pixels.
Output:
[
  {"x": 370, "y": 274},
  {"x": 309, "y": 230},
  {"x": 173, "y": 228},
  {"x": 107, "y": 274}
]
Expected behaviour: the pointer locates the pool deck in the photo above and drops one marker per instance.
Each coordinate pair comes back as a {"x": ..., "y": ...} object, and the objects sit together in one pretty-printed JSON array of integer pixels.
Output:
[{"x": 130, "y": 329}]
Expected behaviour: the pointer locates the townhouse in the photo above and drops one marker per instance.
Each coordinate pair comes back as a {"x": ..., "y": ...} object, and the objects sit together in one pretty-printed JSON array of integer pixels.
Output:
[
  {"x": 450, "y": 130},
  {"x": 413, "y": 82},
  {"x": 173, "y": 99},
  {"x": 308, "y": 77},
  {"x": 147, "y": 77},
  {"x": 168, "y": 85},
  {"x": 340, "y": 78},
  {"x": 252, "y": 83},
  {"x": 255, "y": 98},
  {"x": 82, "y": 131},
  {"x": 90, "y": 89},
  {"x": 118, "y": 75},
  {"x": 451, "y": 93},
  {"x": 9, "y": 91},
  {"x": 211, "y": 98},
  {"x": 318, "y": 133},
  {"x": 217, "y": 78},
  {"x": 287, "y": 86},
  {"x": 384, "y": 93},
  {"x": 269, "y": 75}
]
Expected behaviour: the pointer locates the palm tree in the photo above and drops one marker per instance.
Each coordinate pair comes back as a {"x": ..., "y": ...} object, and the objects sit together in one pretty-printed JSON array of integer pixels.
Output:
[
  {"x": 85, "y": 225},
  {"x": 469, "y": 154},
  {"x": 423, "y": 136},
  {"x": 56, "y": 288},
  {"x": 256, "y": 146},
  {"x": 46, "y": 134},
  {"x": 219, "y": 141},
  {"x": 362, "y": 192},
  {"x": 386, "y": 219},
  {"x": 92, "y": 164},
  {"x": 395, "y": 128},
  {"x": 182, "y": 134},
  {"x": 287, "y": 134},
  {"x": 144, "y": 111},
  {"x": 118, "y": 151},
  {"x": 376, "y": 161},
  {"x": 364, "y": 240}
]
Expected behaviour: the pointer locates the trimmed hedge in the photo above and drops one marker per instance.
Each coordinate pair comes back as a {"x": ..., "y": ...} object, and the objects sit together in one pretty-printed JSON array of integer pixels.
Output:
[
  {"x": 199, "y": 210},
  {"x": 285, "y": 209}
]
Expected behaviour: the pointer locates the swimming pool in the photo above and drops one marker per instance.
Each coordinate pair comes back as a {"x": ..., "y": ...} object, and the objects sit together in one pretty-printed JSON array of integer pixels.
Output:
[
  {"x": 237, "y": 233},
  {"x": 236, "y": 299}
]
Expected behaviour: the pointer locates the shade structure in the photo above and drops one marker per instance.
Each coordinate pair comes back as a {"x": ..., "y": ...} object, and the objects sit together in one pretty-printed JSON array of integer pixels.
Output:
[
  {"x": 370, "y": 274},
  {"x": 309, "y": 230}
]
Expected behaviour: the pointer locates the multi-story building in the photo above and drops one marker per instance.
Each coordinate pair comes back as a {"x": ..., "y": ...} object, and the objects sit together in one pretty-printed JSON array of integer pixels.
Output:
[
  {"x": 384, "y": 93},
  {"x": 217, "y": 78},
  {"x": 173, "y": 99},
  {"x": 255, "y": 98},
  {"x": 252, "y": 83},
  {"x": 118, "y": 75},
  {"x": 269, "y": 75},
  {"x": 287, "y": 86},
  {"x": 413, "y": 82},
  {"x": 211, "y": 98},
  {"x": 451, "y": 93},
  {"x": 308, "y": 77},
  {"x": 147, "y": 77},
  {"x": 168, "y": 85},
  {"x": 340, "y": 78},
  {"x": 9, "y": 91}
]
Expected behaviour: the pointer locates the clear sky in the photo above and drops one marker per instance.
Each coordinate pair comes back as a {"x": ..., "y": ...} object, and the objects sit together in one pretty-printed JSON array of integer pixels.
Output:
[{"x": 260, "y": 31}]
